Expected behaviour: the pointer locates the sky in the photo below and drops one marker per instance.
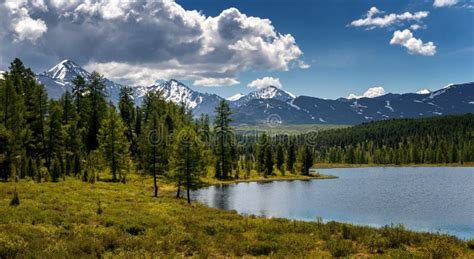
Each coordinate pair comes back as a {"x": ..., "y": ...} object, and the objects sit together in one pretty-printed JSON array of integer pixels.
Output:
[{"x": 328, "y": 49}]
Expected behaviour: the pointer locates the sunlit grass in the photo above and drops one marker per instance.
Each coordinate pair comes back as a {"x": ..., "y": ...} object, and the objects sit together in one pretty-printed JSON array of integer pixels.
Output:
[{"x": 62, "y": 220}]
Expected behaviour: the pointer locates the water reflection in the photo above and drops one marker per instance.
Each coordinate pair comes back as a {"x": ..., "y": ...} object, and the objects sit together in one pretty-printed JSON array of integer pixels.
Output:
[{"x": 426, "y": 199}]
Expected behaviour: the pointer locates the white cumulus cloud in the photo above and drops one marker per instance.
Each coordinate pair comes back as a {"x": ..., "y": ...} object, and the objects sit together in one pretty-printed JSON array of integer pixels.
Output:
[
  {"x": 413, "y": 45},
  {"x": 30, "y": 29},
  {"x": 264, "y": 82},
  {"x": 137, "y": 42},
  {"x": 415, "y": 27},
  {"x": 443, "y": 3},
  {"x": 22, "y": 25},
  {"x": 370, "y": 93},
  {"x": 216, "y": 81},
  {"x": 371, "y": 20}
]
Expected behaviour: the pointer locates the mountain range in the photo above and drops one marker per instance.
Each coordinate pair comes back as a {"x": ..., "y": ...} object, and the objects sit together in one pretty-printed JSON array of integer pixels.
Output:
[{"x": 284, "y": 107}]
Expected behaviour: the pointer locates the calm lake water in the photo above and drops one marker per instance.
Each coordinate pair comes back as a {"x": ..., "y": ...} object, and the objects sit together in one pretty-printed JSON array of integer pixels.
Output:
[{"x": 435, "y": 199}]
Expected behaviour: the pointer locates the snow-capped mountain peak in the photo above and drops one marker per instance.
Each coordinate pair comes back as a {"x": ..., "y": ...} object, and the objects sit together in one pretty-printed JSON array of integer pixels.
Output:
[
  {"x": 177, "y": 92},
  {"x": 423, "y": 91},
  {"x": 370, "y": 93},
  {"x": 1, "y": 74},
  {"x": 66, "y": 70},
  {"x": 272, "y": 92},
  {"x": 235, "y": 97}
]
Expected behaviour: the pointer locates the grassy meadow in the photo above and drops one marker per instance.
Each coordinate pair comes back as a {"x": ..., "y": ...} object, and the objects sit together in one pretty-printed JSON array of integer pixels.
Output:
[{"x": 72, "y": 218}]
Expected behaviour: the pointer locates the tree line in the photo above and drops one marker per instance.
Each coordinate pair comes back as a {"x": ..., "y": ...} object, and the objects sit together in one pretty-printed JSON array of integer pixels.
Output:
[{"x": 436, "y": 140}]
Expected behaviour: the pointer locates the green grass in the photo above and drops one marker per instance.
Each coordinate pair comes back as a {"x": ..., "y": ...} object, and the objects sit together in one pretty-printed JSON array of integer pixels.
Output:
[
  {"x": 286, "y": 129},
  {"x": 60, "y": 220}
]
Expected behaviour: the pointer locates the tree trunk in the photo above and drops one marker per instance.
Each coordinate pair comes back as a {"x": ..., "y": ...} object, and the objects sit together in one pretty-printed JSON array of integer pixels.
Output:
[
  {"x": 154, "y": 171},
  {"x": 179, "y": 187},
  {"x": 188, "y": 177}
]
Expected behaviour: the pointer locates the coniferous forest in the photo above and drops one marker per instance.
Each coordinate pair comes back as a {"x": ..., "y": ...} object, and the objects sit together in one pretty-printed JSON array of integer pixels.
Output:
[{"x": 82, "y": 134}]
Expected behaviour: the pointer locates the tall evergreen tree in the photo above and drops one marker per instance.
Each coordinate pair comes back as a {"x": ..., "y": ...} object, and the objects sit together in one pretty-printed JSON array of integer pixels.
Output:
[
  {"x": 224, "y": 136},
  {"x": 154, "y": 148},
  {"x": 269, "y": 162},
  {"x": 56, "y": 135},
  {"x": 291, "y": 157},
  {"x": 186, "y": 160},
  {"x": 96, "y": 97},
  {"x": 113, "y": 142},
  {"x": 307, "y": 159},
  {"x": 280, "y": 159}
]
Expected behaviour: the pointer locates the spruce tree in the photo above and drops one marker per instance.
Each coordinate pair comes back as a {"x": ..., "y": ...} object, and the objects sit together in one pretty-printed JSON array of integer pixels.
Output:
[
  {"x": 306, "y": 159},
  {"x": 224, "y": 137},
  {"x": 269, "y": 162},
  {"x": 291, "y": 157},
  {"x": 55, "y": 135},
  {"x": 280, "y": 159},
  {"x": 97, "y": 108},
  {"x": 113, "y": 142},
  {"x": 186, "y": 160}
]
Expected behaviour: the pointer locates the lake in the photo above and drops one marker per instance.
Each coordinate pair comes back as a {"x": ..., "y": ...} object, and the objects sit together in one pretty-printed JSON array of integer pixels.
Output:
[{"x": 434, "y": 199}]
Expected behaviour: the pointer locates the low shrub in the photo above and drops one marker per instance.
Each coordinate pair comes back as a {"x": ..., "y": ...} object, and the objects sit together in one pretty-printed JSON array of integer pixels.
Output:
[{"x": 339, "y": 247}]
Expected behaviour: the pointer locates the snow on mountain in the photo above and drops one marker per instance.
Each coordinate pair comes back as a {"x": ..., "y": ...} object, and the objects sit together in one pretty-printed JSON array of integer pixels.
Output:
[
  {"x": 423, "y": 91},
  {"x": 235, "y": 97},
  {"x": 177, "y": 92},
  {"x": 256, "y": 106},
  {"x": 448, "y": 86},
  {"x": 66, "y": 71},
  {"x": 269, "y": 92},
  {"x": 59, "y": 78},
  {"x": 370, "y": 93},
  {"x": 1, "y": 74}
]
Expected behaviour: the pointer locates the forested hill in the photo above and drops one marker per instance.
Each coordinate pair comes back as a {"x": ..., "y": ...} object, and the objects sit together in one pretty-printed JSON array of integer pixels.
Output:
[{"x": 441, "y": 139}]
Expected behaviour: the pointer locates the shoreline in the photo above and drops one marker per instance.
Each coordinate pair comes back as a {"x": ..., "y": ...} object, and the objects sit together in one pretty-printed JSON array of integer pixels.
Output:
[
  {"x": 335, "y": 166},
  {"x": 271, "y": 179}
]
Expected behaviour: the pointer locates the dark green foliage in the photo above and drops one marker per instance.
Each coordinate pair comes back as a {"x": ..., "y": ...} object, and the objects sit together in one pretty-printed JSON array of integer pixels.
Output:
[
  {"x": 224, "y": 138},
  {"x": 280, "y": 159},
  {"x": 443, "y": 139},
  {"x": 97, "y": 108},
  {"x": 113, "y": 142},
  {"x": 340, "y": 247},
  {"x": 186, "y": 160},
  {"x": 307, "y": 159},
  {"x": 268, "y": 157},
  {"x": 55, "y": 170}
]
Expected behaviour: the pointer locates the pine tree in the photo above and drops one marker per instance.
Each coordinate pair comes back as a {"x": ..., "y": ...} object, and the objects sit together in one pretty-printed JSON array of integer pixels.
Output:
[
  {"x": 154, "y": 148},
  {"x": 4, "y": 165},
  {"x": 291, "y": 157},
  {"x": 56, "y": 170},
  {"x": 223, "y": 133},
  {"x": 113, "y": 142},
  {"x": 269, "y": 162},
  {"x": 96, "y": 98},
  {"x": 306, "y": 159},
  {"x": 263, "y": 143},
  {"x": 127, "y": 113},
  {"x": 280, "y": 159},
  {"x": 56, "y": 135},
  {"x": 78, "y": 92},
  {"x": 186, "y": 160}
]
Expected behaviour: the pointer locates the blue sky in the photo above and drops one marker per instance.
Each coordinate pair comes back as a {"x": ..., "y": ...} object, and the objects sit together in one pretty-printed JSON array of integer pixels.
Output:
[
  {"x": 211, "y": 52},
  {"x": 350, "y": 60}
]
